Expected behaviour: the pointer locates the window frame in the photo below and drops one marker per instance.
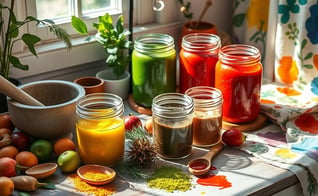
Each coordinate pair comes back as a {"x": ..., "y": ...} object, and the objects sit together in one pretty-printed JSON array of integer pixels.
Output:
[{"x": 53, "y": 56}]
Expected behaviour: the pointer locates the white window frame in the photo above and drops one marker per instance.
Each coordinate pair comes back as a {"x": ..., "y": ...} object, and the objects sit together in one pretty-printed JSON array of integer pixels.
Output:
[{"x": 53, "y": 56}]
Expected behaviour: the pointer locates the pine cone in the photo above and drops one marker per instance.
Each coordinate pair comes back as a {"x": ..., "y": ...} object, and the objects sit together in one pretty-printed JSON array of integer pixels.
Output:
[{"x": 142, "y": 152}]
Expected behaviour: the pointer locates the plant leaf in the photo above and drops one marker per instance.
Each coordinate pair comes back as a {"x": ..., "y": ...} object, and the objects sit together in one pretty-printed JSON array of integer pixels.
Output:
[
  {"x": 16, "y": 63},
  {"x": 79, "y": 25},
  {"x": 30, "y": 40},
  {"x": 14, "y": 31},
  {"x": 238, "y": 19},
  {"x": 120, "y": 24}
]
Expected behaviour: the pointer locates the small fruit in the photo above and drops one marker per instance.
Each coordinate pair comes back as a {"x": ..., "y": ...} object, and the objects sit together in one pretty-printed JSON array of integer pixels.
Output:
[
  {"x": 42, "y": 149},
  {"x": 8, "y": 151},
  {"x": 148, "y": 126},
  {"x": 5, "y": 121},
  {"x": 69, "y": 161},
  {"x": 233, "y": 137},
  {"x": 26, "y": 159},
  {"x": 20, "y": 140},
  {"x": 62, "y": 145},
  {"x": 131, "y": 122},
  {"x": 6, "y": 186},
  {"x": 5, "y": 130},
  {"x": 5, "y": 140},
  {"x": 8, "y": 167}
]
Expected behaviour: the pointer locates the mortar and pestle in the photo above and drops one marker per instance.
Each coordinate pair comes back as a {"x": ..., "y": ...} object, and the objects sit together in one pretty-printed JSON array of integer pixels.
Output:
[{"x": 43, "y": 109}]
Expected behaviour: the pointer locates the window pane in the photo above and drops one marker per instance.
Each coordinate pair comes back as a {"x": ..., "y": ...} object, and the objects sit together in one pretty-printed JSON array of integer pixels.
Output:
[
  {"x": 91, "y": 5},
  {"x": 55, "y": 10}
]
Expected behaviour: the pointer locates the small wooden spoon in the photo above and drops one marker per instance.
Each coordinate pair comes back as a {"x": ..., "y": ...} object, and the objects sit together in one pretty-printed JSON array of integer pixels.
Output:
[
  {"x": 10, "y": 90},
  {"x": 201, "y": 165},
  {"x": 42, "y": 170}
]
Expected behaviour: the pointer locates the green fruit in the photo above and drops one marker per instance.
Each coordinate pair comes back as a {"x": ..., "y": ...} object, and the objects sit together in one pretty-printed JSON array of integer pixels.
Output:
[
  {"x": 42, "y": 149},
  {"x": 68, "y": 161}
]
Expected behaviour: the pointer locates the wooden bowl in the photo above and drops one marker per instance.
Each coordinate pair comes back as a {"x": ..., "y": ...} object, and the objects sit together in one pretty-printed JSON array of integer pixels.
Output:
[{"x": 106, "y": 174}]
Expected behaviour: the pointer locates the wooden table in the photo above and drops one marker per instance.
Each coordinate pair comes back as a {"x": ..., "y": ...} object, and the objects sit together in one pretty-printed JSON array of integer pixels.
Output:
[{"x": 247, "y": 174}]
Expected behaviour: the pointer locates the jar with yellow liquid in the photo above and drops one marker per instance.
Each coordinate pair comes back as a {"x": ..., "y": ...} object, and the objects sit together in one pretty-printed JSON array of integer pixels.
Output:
[{"x": 100, "y": 129}]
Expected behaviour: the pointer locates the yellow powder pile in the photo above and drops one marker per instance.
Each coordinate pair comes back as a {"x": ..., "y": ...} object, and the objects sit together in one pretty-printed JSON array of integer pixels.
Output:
[
  {"x": 96, "y": 175},
  {"x": 82, "y": 186}
]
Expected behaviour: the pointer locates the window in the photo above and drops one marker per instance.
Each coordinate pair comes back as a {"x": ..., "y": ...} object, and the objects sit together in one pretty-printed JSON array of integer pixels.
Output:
[
  {"x": 60, "y": 11},
  {"x": 52, "y": 54}
]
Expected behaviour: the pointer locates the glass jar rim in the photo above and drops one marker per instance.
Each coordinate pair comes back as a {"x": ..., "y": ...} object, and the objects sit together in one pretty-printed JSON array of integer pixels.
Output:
[
  {"x": 239, "y": 54},
  {"x": 201, "y": 42},
  {"x": 100, "y": 105},
  {"x": 205, "y": 96},
  {"x": 172, "y": 105},
  {"x": 154, "y": 42}
]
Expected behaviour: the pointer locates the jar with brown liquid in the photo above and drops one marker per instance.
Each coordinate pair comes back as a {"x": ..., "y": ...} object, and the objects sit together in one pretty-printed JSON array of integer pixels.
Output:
[
  {"x": 207, "y": 120},
  {"x": 172, "y": 115}
]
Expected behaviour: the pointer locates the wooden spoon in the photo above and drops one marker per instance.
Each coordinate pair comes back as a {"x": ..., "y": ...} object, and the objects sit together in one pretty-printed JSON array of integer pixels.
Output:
[
  {"x": 201, "y": 165},
  {"x": 10, "y": 90}
]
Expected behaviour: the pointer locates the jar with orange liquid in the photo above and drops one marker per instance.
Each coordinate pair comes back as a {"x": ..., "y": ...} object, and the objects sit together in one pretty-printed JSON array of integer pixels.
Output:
[
  {"x": 238, "y": 75},
  {"x": 100, "y": 129}
]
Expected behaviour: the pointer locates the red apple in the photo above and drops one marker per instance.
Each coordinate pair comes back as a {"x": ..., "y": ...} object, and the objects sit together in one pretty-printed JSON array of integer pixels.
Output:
[
  {"x": 233, "y": 137},
  {"x": 8, "y": 167},
  {"x": 20, "y": 140},
  {"x": 131, "y": 122}
]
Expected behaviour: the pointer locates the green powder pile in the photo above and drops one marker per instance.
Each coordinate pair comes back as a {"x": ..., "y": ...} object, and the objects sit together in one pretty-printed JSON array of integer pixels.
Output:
[{"x": 169, "y": 179}]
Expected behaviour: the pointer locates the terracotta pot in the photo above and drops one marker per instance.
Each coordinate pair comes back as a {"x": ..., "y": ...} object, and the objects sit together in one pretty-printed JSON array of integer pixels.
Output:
[
  {"x": 91, "y": 84},
  {"x": 203, "y": 27}
]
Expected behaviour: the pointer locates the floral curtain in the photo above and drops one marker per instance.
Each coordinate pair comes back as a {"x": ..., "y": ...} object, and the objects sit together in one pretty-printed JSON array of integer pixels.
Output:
[{"x": 286, "y": 32}]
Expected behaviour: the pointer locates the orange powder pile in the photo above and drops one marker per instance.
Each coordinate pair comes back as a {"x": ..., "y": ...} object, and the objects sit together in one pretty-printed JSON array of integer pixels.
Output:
[{"x": 82, "y": 186}]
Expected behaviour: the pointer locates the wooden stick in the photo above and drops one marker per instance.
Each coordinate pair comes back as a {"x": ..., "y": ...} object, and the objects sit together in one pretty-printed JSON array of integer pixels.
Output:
[
  {"x": 207, "y": 5},
  {"x": 10, "y": 90}
]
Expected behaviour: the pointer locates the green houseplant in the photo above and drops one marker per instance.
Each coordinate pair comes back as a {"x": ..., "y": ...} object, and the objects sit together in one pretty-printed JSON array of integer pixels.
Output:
[
  {"x": 112, "y": 37},
  {"x": 10, "y": 35}
]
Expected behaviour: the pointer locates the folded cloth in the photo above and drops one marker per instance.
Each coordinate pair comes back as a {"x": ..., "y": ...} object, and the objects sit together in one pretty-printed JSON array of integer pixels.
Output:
[{"x": 292, "y": 141}]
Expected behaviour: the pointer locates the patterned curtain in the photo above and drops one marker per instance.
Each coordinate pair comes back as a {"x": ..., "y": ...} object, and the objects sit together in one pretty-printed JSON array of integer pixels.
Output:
[{"x": 286, "y": 32}]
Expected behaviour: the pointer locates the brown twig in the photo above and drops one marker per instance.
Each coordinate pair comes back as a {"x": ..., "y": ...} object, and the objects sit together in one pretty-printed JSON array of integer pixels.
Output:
[{"x": 207, "y": 5}]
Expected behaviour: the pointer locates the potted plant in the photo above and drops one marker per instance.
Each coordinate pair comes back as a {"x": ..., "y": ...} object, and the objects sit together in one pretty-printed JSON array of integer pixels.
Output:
[
  {"x": 196, "y": 26},
  {"x": 10, "y": 35},
  {"x": 116, "y": 46}
]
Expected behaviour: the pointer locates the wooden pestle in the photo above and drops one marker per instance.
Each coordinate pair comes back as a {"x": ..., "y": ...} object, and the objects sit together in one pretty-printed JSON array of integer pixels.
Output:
[{"x": 10, "y": 90}]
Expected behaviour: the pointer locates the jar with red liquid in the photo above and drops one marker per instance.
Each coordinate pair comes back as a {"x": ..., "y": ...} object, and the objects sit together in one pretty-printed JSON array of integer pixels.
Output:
[
  {"x": 198, "y": 56},
  {"x": 239, "y": 75},
  {"x": 207, "y": 120},
  {"x": 172, "y": 115}
]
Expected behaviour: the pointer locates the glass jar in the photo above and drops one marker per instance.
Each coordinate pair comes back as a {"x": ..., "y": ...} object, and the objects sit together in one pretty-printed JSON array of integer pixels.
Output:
[
  {"x": 153, "y": 67},
  {"x": 198, "y": 56},
  {"x": 207, "y": 121},
  {"x": 172, "y": 115},
  {"x": 100, "y": 129},
  {"x": 239, "y": 77}
]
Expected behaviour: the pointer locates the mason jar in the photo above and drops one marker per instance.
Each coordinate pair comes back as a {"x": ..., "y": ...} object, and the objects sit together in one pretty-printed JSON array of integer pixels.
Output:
[
  {"x": 198, "y": 57},
  {"x": 172, "y": 125},
  {"x": 239, "y": 77},
  {"x": 153, "y": 67},
  {"x": 100, "y": 129},
  {"x": 207, "y": 121}
]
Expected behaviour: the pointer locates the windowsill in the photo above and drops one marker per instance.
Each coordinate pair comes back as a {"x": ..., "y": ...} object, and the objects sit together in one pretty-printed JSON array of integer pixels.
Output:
[{"x": 55, "y": 56}]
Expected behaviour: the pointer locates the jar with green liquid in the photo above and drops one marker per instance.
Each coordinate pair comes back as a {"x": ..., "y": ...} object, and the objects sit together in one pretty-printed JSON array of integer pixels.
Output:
[{"x": 153, "y": 67}]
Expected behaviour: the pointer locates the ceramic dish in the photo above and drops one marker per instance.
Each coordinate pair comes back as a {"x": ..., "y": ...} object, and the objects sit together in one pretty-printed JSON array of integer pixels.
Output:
[{"x": 96, "y": 174}]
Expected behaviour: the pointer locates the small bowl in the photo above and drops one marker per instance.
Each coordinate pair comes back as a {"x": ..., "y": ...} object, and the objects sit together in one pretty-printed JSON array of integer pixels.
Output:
[
  {"x": 42, "y": 170},
  {"x": 110, "y": 174},
  {"x": 54, "y": 120}
]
